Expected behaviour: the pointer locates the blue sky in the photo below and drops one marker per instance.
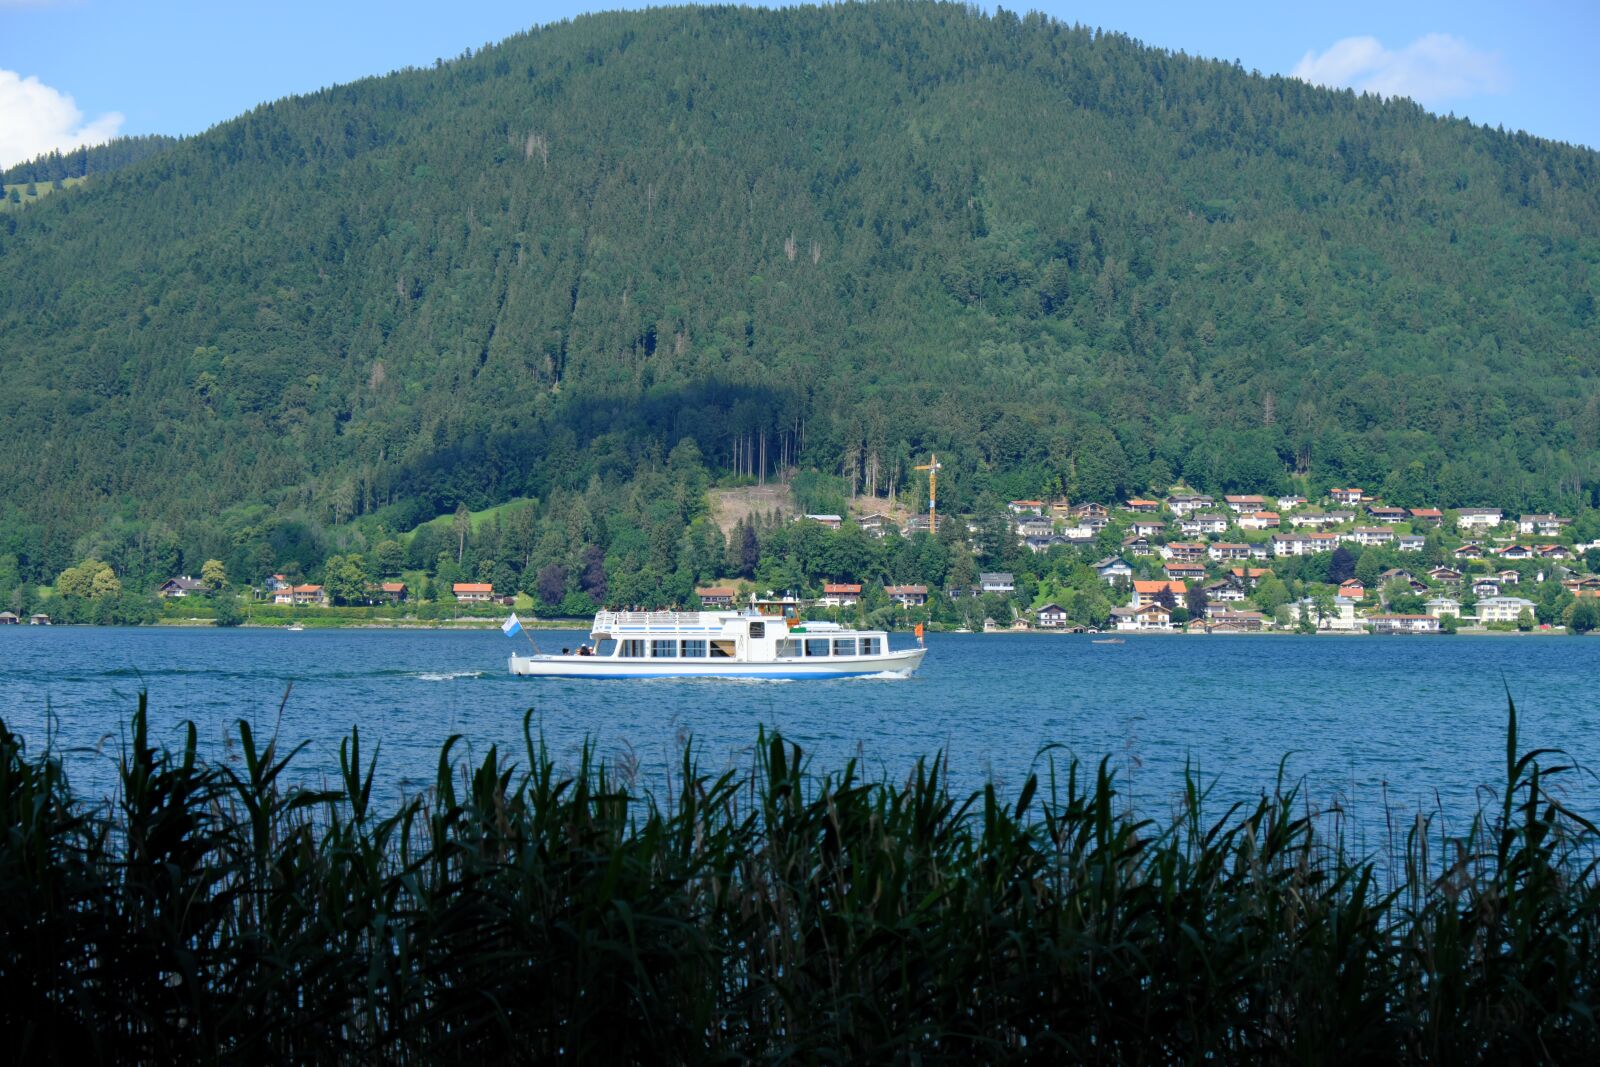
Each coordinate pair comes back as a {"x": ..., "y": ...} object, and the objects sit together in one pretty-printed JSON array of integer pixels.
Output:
[{"x": 78, "y": 71}]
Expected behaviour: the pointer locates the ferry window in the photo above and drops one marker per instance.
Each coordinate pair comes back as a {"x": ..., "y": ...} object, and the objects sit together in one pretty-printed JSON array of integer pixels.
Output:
[
  {"x": 816, "y": 646},
  {"x": 634, "y": 647},
  {"x": 722, "y": 649},
  {"x": 844, "y": 646},
  {"x": 694, "y": 649},
  {"x": 758, "y": 629},
  {"x": 667, "y": 649},
  {"x": 605, "y": 648},
  {"x": 788, "y": 648},
  {"x": 869, "y": 646}
]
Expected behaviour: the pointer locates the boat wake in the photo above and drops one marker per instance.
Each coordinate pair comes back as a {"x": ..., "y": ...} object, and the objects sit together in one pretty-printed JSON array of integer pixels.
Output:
[{"x": 447, "y": 676}]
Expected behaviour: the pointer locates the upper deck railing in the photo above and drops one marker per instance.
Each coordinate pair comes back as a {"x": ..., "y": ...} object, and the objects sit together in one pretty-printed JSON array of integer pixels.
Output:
[{"x": 658, "y": 622}]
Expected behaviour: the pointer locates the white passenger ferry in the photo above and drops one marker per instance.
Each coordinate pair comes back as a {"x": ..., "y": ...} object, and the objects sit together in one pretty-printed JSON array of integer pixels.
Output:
[{"x": 721, "y": 644}]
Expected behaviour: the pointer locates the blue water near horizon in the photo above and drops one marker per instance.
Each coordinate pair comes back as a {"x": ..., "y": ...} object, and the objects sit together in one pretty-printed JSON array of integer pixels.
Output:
[{"x": 1383, "y": 726}]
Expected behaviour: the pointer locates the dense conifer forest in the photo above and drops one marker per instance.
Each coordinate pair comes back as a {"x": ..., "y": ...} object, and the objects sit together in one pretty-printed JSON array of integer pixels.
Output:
[{"x": 608, "y": 262}]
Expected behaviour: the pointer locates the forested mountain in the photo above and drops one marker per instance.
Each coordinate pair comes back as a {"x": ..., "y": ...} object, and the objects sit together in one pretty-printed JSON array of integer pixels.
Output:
[
  {"x": 831, "y": 238},
  {"x": 94, "y": 159}
]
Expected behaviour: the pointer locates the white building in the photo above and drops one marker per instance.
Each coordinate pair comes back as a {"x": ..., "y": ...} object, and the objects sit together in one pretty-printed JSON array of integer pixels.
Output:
[
  {"x": 1503, "y": 608},
  {"x": 1479, "y": 518}
]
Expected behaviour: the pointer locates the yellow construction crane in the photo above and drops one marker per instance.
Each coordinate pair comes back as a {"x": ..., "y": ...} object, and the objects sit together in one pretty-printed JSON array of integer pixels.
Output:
[{"x": 933, "y": 466}]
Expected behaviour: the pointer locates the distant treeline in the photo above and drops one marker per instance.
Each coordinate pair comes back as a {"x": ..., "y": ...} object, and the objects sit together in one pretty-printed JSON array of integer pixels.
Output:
[
  {"x": 94, "y": 159},
  {"x": 217, "y": 912}
]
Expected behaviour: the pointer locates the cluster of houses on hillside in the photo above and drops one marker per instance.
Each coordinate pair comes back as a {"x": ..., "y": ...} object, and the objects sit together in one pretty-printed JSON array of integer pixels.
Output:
[{"x": 1222, "y": 548}]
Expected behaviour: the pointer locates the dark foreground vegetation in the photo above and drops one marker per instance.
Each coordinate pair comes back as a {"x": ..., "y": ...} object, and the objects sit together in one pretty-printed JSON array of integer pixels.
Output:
[{"x": 215, "y": 912}]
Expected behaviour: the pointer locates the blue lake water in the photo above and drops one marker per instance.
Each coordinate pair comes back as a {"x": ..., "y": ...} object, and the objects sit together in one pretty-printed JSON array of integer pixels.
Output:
[{"x": 1411, "y": 722}]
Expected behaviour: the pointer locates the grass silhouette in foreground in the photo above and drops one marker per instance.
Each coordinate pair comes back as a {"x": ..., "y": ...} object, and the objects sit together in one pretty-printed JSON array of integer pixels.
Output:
[{"x": 210, "y": 913}]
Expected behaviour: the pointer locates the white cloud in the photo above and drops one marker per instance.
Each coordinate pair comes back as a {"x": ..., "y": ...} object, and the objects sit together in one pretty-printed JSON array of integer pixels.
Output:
[
  {"x": 35, "y": 118},
  {"x": 1432, "y": 70}
]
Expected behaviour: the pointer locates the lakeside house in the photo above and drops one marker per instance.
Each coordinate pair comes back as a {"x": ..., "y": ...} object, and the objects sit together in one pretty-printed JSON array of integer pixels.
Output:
[
  {"x": 1225, "y": 551},
  {"x": 1181, "y": 504},
  {"x": 1426, "y": 516},
  {"x": 1385, "y": 514},
  {"x": 1503, "y": 608},
  {"x": 908, "y": 596},
  {"x": 1113, "y": 567},
  {"x": 1246, "y": 578},
  {"x": 1486, "y": 587},
  {"x": 1141, "y": 506},
  {"x": 1145, "y": 593},
  {"x": 1289, "y": 503},
  {"x": 1543, "y": 525},
  {"x": 1051, "y": 617},
  {"x": 1203, "y": 522},
  {"x": 1222, "y": 591},
  {"x": 1034, "y": 526},
  {"x": 840, "y": 595},
  {"x": 1403, "y": 624},
  {"x": 1184, "y": 551},
  {"x": 1260, "y": 520},
  {"x": 1352, "y": 588},
  {"x": 1241, "y": 622},
  {"x": 996, "y": 582},
  {"x": 473, "y": 592},
  {"x": 1244, "y": 504},
  {"x": 1441, "y": 606},
  {"x": 1185, "y": 572},
  {"x": 392, "y": 592},
  {"x": 1478, "y": 518},
  {"x": 1148, "y": 617},
  {"x": 1147, "y": 528},
  {"x": 41, "y": 619},
  {"x": 1320, "y": 520},
  {"x": 1410, "y": 542},
  {"x": 716, "y": 597},
  {"x": 1026, "y": 507},
  {"x": 9, "y": 618},
  {"x": 1303, "y": 544},
  {"x": 1445, "y": 575},
  {"x": 832, "y": 522},
  {"x": 875, "y": 524},
  {"x": 307, "y": 596},
  {"x": 176, "y": 588},
  {"x": 1137, "y": 545},
  {"x": 1345, "y": 496},
  {"x": 1366, "y": 536}
]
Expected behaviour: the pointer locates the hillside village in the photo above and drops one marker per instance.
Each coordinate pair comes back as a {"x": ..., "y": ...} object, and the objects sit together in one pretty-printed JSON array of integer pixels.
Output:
[
  {"x": 1181, "y": 561},
  {"x": 1346, "y": 563}
]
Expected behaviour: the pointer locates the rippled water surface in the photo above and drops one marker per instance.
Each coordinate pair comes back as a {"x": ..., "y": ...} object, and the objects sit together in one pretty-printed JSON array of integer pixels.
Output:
[{"x": 1420, "y": 721}]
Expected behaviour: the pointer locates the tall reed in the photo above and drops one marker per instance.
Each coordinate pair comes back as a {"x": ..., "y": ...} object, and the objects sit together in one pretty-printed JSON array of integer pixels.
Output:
[{"x": 213, "y": 913}]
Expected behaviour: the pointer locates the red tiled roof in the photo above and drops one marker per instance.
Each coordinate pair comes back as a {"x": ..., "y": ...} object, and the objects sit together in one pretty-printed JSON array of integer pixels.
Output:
[
  {"x": 1155, "y": 587},
  {"x": 473, "y": 587}
]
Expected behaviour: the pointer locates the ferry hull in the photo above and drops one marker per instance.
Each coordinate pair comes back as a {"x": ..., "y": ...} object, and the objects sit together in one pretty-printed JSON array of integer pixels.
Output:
[{"x": 607, "y": 667}]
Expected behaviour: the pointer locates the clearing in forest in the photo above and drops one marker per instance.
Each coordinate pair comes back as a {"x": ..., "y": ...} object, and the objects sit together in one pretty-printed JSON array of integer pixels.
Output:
[{"x": 728, "y": 506}]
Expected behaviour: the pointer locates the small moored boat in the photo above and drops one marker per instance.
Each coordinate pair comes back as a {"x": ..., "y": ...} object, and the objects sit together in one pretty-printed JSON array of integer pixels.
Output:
[{"x": 720, "y": 644}]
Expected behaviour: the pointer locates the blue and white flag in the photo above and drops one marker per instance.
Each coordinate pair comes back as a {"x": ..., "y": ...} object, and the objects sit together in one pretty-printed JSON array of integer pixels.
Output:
[{"x": 511, "y": 627}]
